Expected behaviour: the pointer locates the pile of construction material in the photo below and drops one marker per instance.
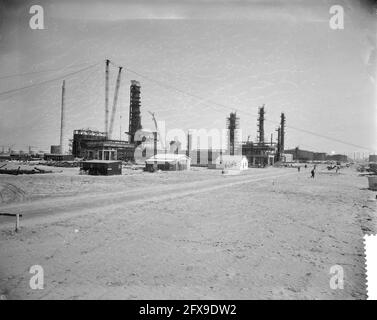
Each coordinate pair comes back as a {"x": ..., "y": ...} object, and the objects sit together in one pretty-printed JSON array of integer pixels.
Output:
[
  {"x": 8, "y": 168},
  {"x": 23, "y": 171},
  {"x": 61, "y": 164}
]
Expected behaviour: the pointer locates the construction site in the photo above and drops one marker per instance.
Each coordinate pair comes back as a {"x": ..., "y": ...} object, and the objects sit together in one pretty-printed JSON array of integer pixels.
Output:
[
  {"x": 201, "y": 216},
  {"x": 143, "y": 144}
]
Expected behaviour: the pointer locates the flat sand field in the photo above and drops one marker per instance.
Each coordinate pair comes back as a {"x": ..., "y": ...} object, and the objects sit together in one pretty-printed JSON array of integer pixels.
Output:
[{"x": 264, "y": 234}]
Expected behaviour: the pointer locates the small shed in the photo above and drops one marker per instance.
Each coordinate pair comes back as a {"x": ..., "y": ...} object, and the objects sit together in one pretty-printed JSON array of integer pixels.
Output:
[
  {"x": 168, "y": 162},
  {"x": 102, "y": 167},
  {"x": 237, "y": 162}
]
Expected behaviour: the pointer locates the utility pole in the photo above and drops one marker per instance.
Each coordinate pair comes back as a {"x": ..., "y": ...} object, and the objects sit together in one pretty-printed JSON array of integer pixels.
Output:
[
  {"x": 62, "y": 118},
  {"x": 107, "y": 98}
]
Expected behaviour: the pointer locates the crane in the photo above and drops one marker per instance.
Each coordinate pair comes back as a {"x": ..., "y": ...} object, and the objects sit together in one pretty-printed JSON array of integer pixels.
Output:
[
  {"x": 115, "y": 101},
  {"x": 158, "y": 131}
]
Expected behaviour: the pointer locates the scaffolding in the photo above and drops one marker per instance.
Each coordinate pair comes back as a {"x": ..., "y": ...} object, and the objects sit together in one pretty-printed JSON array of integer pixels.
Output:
[
  {"x": 233, "y": 124},
  {"x": 261, "y": 113},
  {"x": 134, "y": 117}
]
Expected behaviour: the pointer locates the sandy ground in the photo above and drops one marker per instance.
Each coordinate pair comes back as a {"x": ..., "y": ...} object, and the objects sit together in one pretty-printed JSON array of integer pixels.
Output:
[{"x": 265, "y": 234}]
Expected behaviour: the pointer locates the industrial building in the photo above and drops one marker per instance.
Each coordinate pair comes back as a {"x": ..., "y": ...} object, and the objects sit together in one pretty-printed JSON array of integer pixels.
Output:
[
  {"x": 262, "y": 153},
  {"x": 258, "y": 154},
  {"x": 89, "y": 144},
  {"x": 305, "y": 155},
  {"x": 337, "y": 157},
  {"x": 301, "y": 155}
]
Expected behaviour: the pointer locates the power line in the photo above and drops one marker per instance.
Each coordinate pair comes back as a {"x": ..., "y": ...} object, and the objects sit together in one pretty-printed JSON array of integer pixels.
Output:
[
  {"x": 39, "y": 71},
  {"x": 47, "y": 81},
  {"x": 209, "y": 102}
]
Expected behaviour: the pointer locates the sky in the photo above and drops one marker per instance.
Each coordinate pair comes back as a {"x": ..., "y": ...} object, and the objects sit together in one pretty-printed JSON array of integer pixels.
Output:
[{"x": 197, "y": 61}]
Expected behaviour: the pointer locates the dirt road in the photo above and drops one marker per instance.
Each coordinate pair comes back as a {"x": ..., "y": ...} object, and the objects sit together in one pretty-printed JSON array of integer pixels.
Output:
[{"x": 74, "y": 204}]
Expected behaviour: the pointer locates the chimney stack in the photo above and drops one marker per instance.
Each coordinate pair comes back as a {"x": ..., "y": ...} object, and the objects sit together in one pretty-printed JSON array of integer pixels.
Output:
[{"x": 62, "y": 118}]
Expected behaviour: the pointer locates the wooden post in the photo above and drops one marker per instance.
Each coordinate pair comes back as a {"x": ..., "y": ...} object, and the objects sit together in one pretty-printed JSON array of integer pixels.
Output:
[
  {"x": 18, "y": 215},
  {"x": 17, "y": 221}
]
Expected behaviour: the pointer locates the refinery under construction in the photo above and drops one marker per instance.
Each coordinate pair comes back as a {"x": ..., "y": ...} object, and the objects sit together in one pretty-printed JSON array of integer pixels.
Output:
[
  {"x": 203, "y": 147},
  {"x": 193, "y": 150},
  {"x": 193, "y": 214}
]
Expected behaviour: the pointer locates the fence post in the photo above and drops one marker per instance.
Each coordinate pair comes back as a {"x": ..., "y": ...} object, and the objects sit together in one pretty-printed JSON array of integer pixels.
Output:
[{"x": 17, "y": 221}]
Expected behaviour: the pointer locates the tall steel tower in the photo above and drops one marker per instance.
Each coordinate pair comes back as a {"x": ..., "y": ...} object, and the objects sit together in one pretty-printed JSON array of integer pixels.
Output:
[
  {"x": 134, "y": 117},
  {"x": 261, "y": 125},
  {"x": 232, "y": 124}
]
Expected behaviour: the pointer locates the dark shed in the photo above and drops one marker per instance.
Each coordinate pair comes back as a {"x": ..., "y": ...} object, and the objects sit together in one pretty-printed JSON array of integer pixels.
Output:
[{"x": 102, "y": 167}]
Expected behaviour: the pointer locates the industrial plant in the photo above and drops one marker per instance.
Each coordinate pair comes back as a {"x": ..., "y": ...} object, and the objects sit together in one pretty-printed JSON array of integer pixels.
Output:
[
  {"x": 145, "y": 147},
  {"x": 149, "y": 149},
  {"x": 211, "y": 151}
]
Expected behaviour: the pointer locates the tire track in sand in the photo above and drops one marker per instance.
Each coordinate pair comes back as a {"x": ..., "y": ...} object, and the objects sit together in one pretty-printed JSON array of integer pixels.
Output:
[{"x": 57, "y": 208}]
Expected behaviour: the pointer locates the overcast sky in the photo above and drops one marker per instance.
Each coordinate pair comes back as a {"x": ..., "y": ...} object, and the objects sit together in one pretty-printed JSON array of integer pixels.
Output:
[{"x": 240, "y": 54}]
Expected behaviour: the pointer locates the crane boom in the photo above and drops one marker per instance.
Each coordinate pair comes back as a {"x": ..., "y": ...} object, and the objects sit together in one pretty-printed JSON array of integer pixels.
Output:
[
  {"x": 115, "y": 102},
  {"x": 158, "y": 131}
]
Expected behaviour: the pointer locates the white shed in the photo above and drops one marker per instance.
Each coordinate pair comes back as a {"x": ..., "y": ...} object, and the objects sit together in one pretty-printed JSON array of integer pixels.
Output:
[
  {"x": 237, "y": 162},
  {"x": 168, "y": 161}
]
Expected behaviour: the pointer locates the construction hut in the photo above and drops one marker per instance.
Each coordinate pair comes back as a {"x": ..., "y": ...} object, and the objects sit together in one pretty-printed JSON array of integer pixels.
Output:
[
  {"x": 102, "y": 167},
  {"x": 168, "y": 162},
  {"x": 237, "y": 162}
]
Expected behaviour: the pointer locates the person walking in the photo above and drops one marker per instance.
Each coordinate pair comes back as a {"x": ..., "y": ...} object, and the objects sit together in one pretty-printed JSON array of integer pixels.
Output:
[{"x": 313, "y": 173}]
